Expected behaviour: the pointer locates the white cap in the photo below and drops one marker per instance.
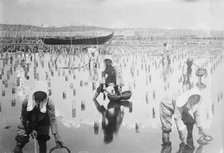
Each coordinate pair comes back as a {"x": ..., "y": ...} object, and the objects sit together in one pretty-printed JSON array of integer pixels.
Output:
[
  {"x": 108, "y": 57},
  {"x": 92, "y": 50}
]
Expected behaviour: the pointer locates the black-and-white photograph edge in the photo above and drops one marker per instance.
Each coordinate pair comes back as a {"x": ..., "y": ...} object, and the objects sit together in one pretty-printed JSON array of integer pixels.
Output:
[{"x": 111, "y": 76}]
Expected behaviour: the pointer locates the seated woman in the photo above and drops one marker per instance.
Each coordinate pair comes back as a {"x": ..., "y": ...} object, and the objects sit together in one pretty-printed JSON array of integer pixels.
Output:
[{"x": 110, "y": 77}]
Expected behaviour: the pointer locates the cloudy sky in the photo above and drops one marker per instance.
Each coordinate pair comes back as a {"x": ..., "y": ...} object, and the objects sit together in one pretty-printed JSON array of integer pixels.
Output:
[{"x": 193, "y": 14}]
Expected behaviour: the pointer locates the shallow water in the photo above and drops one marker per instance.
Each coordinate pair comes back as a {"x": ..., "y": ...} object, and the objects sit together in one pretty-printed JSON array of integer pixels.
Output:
[{"x": 72, "y": 91}]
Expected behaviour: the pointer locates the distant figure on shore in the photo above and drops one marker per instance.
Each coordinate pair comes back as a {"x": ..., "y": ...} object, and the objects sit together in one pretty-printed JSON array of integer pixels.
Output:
[
  {"x": 166, "y": 53},
  {"x": 37, "y": 116},
  {"x": 187, "y": 71},
  {"x": 93, "y": 57},
  {"x": 185, "y": 111}
]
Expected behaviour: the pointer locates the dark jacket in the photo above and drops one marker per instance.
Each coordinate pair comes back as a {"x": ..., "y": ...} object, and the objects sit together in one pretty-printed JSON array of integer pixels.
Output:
[{"x": 32, "y": 119}]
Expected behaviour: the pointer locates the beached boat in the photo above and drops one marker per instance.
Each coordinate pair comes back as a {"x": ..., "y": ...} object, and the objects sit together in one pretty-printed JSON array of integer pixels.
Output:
[{"x": 76, "y": 41}]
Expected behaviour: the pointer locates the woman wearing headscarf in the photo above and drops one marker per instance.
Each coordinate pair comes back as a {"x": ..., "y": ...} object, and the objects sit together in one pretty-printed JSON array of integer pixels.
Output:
[
  {"x": 185, "y": 109},
  {"x": 37, "y": 116}
]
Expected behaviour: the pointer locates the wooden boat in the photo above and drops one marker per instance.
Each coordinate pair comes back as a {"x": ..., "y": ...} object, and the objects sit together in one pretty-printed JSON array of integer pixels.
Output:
[{"x": 77, "y": 41}]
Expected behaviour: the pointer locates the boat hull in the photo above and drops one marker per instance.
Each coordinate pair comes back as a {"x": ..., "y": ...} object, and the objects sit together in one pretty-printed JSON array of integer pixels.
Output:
[{"x": 75, "y": 41}]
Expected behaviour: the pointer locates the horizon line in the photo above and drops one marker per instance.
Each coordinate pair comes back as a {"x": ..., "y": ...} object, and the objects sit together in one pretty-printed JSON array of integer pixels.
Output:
[{"x": 144, "y": 27}]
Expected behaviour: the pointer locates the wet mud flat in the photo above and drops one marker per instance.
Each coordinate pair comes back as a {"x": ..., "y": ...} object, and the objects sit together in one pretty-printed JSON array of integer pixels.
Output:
[{"x": 72, "y": 85}]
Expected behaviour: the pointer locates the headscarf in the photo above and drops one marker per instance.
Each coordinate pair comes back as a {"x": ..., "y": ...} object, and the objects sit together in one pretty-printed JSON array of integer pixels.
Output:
[
  {"x": 39, "y": 86},
  {"x": 183, "y": 99}
]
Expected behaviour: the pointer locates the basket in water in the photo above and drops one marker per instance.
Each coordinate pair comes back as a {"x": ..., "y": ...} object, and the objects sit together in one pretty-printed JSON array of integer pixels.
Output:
[
  {"x": 124, "y": 96},
  {"x": 60, "y": 149},
  {"x": 201, "y": 72},
  {"x": 204, "y": 140}
]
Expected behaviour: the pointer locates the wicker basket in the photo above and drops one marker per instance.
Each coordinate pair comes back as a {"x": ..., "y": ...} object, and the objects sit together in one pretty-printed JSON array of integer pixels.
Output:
[
  {"x": 63, "y": 148},
  {"x": 124, "y": 96},
  {"x": 201, "y": 72},
  {"x": 204, "y": 140}
]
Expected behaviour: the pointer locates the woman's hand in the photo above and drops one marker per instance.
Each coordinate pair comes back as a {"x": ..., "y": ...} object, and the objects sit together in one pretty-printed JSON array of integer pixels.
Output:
[
  {"x": 34, "y": 134},
  {"x": 58, "y": 141},
  {"x": 202, "y": 132}
]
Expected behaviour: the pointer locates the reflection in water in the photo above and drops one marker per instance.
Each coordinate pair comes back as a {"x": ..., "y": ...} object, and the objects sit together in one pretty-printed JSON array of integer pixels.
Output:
[
  {"x": 199, "y": 149},
  {"x": 72, "y": 84},
  {"x": 112, "y": 117},
  {"x": 183, "y": 148},
  {"x": 166, "y": 148}
]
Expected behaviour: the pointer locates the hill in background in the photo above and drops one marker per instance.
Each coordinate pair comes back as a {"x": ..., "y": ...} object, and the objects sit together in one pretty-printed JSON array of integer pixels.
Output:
[
  {"x": 93, "y": 30},
  {"x": 16, "y": 27}
]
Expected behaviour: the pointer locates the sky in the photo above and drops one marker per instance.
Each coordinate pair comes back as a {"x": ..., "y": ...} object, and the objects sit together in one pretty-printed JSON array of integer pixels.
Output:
[{"x": 169, "y": 14}]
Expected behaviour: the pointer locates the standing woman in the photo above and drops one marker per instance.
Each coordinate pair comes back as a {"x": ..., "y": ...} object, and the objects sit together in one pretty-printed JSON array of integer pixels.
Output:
[
  {"x": 110, "y": 77},
  {"x": 166, "y": 53},
  {"x": 187, "y": 71},
  {"x": 93, "y": 57}
]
